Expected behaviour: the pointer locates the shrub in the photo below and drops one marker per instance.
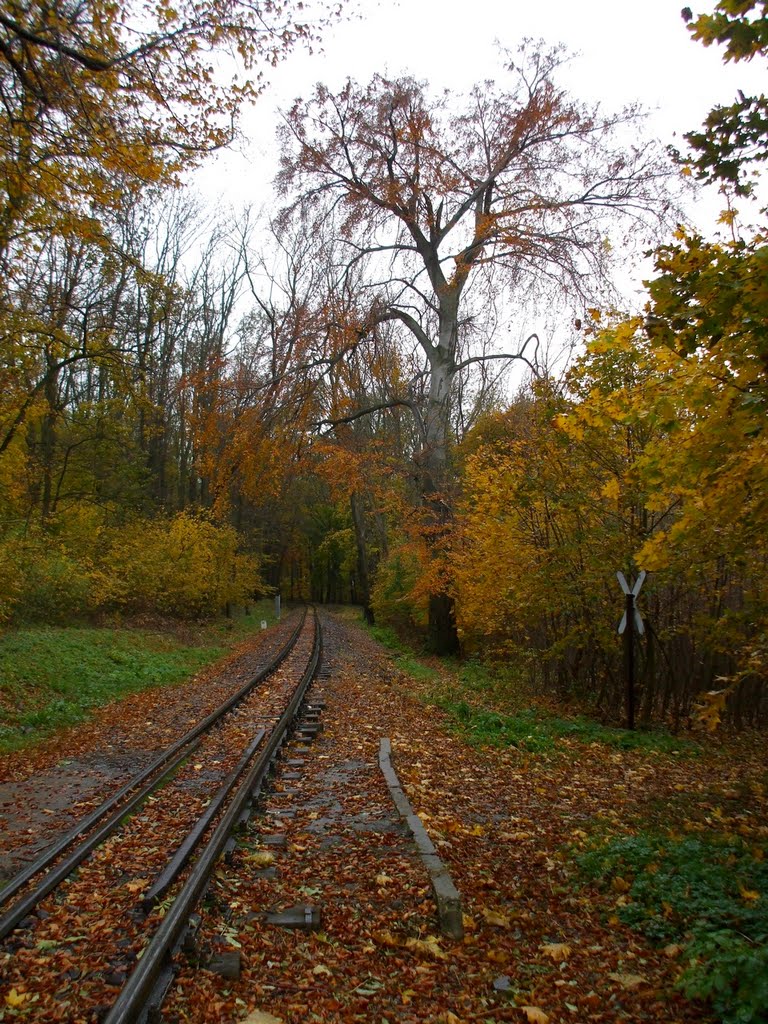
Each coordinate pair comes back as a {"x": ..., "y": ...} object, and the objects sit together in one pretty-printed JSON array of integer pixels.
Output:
[
  {"x": 185, "y": 566},
  {"x": 396, "y": 595},
  {"x": 707, "y": 893},
  {"x": 42, "y": 582},
  {"x": 11, "y": 580}
]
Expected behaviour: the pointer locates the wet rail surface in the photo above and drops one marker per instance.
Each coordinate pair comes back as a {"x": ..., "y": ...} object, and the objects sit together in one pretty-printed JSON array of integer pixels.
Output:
[
  {"x": 144, "y": 866},
  {"x": 86, "y": 836}
]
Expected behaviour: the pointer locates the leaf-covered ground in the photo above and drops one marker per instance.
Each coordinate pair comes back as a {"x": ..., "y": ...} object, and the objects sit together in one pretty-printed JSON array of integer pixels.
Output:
[{"x": 539, "y": 945}]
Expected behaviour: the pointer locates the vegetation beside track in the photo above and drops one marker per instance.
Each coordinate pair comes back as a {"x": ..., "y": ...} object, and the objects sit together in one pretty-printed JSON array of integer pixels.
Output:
[
  {"x": 493, "y": 706},
  {"x": 55, "y": 676},
  {"x": 682, "y": 856}
]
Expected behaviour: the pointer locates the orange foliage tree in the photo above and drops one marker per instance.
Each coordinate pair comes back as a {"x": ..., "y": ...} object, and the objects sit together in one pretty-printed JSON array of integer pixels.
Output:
[{"x": 514, "y": 183}]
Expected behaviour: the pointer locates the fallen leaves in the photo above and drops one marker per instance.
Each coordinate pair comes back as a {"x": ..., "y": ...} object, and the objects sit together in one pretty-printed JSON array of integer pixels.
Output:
[
  {"x": 495, "y": 918},
  {"x": 557, "y": 950},
  {"x": 497, "y": 956},
  {"x": 428, "y": 948},
  {"x": 628, "y": 981},
  {"x": 377, "y": 911},
  {"x": 260, "y": 858},
  {"x": 535, "y": 1015},
  {"x": 137, "y": 885},
  {"x": 15, "y": 999},
  {"x": 383, "y": 937}
]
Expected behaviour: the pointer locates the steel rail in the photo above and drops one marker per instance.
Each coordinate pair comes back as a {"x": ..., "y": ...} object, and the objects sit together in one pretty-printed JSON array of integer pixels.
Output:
[
  {"x": 186, "y": 848},
  {"x": 170, "y": 756},
  {"x": 56, "y": 875},
  {"x": 155, "y": 969}
]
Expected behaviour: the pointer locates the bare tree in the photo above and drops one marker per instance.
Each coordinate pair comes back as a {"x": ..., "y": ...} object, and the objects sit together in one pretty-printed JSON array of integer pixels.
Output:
[{"x": 522, "y": 180}]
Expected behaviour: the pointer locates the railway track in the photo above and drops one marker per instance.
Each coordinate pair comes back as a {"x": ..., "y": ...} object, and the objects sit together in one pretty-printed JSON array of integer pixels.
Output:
[{"x": 126, "y": 881}]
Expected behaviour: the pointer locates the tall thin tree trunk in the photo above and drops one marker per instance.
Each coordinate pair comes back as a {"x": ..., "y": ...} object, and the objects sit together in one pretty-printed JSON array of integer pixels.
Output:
[{"x": 363, "y": 590}]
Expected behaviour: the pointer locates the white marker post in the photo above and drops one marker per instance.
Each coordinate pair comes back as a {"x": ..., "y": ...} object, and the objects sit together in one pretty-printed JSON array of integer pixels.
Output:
[{"x": 631, "y": 621}]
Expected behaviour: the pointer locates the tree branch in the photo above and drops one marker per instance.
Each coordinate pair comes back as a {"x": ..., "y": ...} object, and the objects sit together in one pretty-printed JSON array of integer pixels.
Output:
[
  {"x": 507, "y": 355},
  {"x": 392, "y": 403}
]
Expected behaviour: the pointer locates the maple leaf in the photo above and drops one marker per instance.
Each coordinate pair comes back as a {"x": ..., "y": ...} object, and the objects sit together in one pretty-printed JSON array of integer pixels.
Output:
[
  {"x": 535, "y": 1015},
  {"x": 15, "y": 999},
  {"x": 383, "y": 937},
  {"x": 628, "y": 981},
  {"x": 497, "y": 956},
  {"x": 428, "y": 947},
  {"x": 557, "y": 950},
  {"x": 261, "y": 858}
]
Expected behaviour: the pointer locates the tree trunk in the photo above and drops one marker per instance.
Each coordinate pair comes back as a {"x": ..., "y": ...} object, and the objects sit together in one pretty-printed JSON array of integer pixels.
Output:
[
  {"x": 442, "y": 636},
  {"x": 363, "y": 591},
  {"x": 48, "y": 437},
  {"x": 441, "y": 631}
]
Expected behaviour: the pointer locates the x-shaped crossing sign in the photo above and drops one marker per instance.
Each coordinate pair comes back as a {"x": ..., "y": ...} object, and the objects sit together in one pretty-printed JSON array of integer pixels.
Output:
[{"x": 633, "y": 592}]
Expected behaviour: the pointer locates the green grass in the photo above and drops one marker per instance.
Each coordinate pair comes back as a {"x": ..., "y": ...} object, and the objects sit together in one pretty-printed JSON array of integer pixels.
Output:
[
  {"x": 404, "y": 659},
  {"x": 537, "y": 731},
  {"x": 707, "y": 893},
  {"x": 464, "y": 687},
  {"x": 55, "y": 676}
]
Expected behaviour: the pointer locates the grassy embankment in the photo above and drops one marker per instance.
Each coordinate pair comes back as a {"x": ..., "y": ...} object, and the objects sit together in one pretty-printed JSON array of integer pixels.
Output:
[
  {"x": 488, "y": 706},
  {"x": 54, "y": 676}
]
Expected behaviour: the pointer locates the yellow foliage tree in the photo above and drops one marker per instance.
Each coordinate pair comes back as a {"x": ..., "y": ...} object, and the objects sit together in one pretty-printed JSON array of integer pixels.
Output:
[{"x": 185, "y": 566}]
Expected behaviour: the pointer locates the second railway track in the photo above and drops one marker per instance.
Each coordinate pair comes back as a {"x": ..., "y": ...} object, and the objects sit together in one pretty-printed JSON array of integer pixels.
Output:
[{"x": 109, "y": 930}]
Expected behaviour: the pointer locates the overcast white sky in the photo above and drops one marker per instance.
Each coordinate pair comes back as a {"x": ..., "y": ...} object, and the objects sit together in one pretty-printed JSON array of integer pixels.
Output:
[{"x": 624, "y": 52}]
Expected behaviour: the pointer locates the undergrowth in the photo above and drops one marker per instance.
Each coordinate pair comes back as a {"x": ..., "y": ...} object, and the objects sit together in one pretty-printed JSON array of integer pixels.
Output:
[
  {"x": 538, "y": 731},
  {"x": 55, "y": 676},
  {"x": 707, "y": 894},
  {"x": 488, "y": 706},
  {"x": 405, "y": 660}
]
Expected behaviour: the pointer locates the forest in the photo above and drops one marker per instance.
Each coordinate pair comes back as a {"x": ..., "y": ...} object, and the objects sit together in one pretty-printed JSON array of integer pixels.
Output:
[{"x": 197, "y": 411}]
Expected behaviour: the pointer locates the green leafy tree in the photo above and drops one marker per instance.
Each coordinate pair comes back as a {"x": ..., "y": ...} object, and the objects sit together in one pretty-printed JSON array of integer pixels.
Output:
[{"x": 733, "y": 136}]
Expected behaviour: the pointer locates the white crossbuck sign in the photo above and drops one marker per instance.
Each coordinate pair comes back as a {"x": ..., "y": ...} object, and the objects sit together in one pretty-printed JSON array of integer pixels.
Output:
[{"x": 633, "y": 592}]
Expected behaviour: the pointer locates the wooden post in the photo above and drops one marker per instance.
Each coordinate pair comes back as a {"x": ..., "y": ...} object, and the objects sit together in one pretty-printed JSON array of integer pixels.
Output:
[
  {"x": 630, "y": 623},
  {"x": 629, "y": 658}
]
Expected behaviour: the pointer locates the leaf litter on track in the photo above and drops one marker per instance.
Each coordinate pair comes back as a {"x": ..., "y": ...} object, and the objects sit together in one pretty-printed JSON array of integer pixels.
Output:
[{"x": 536, "y": 947}]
